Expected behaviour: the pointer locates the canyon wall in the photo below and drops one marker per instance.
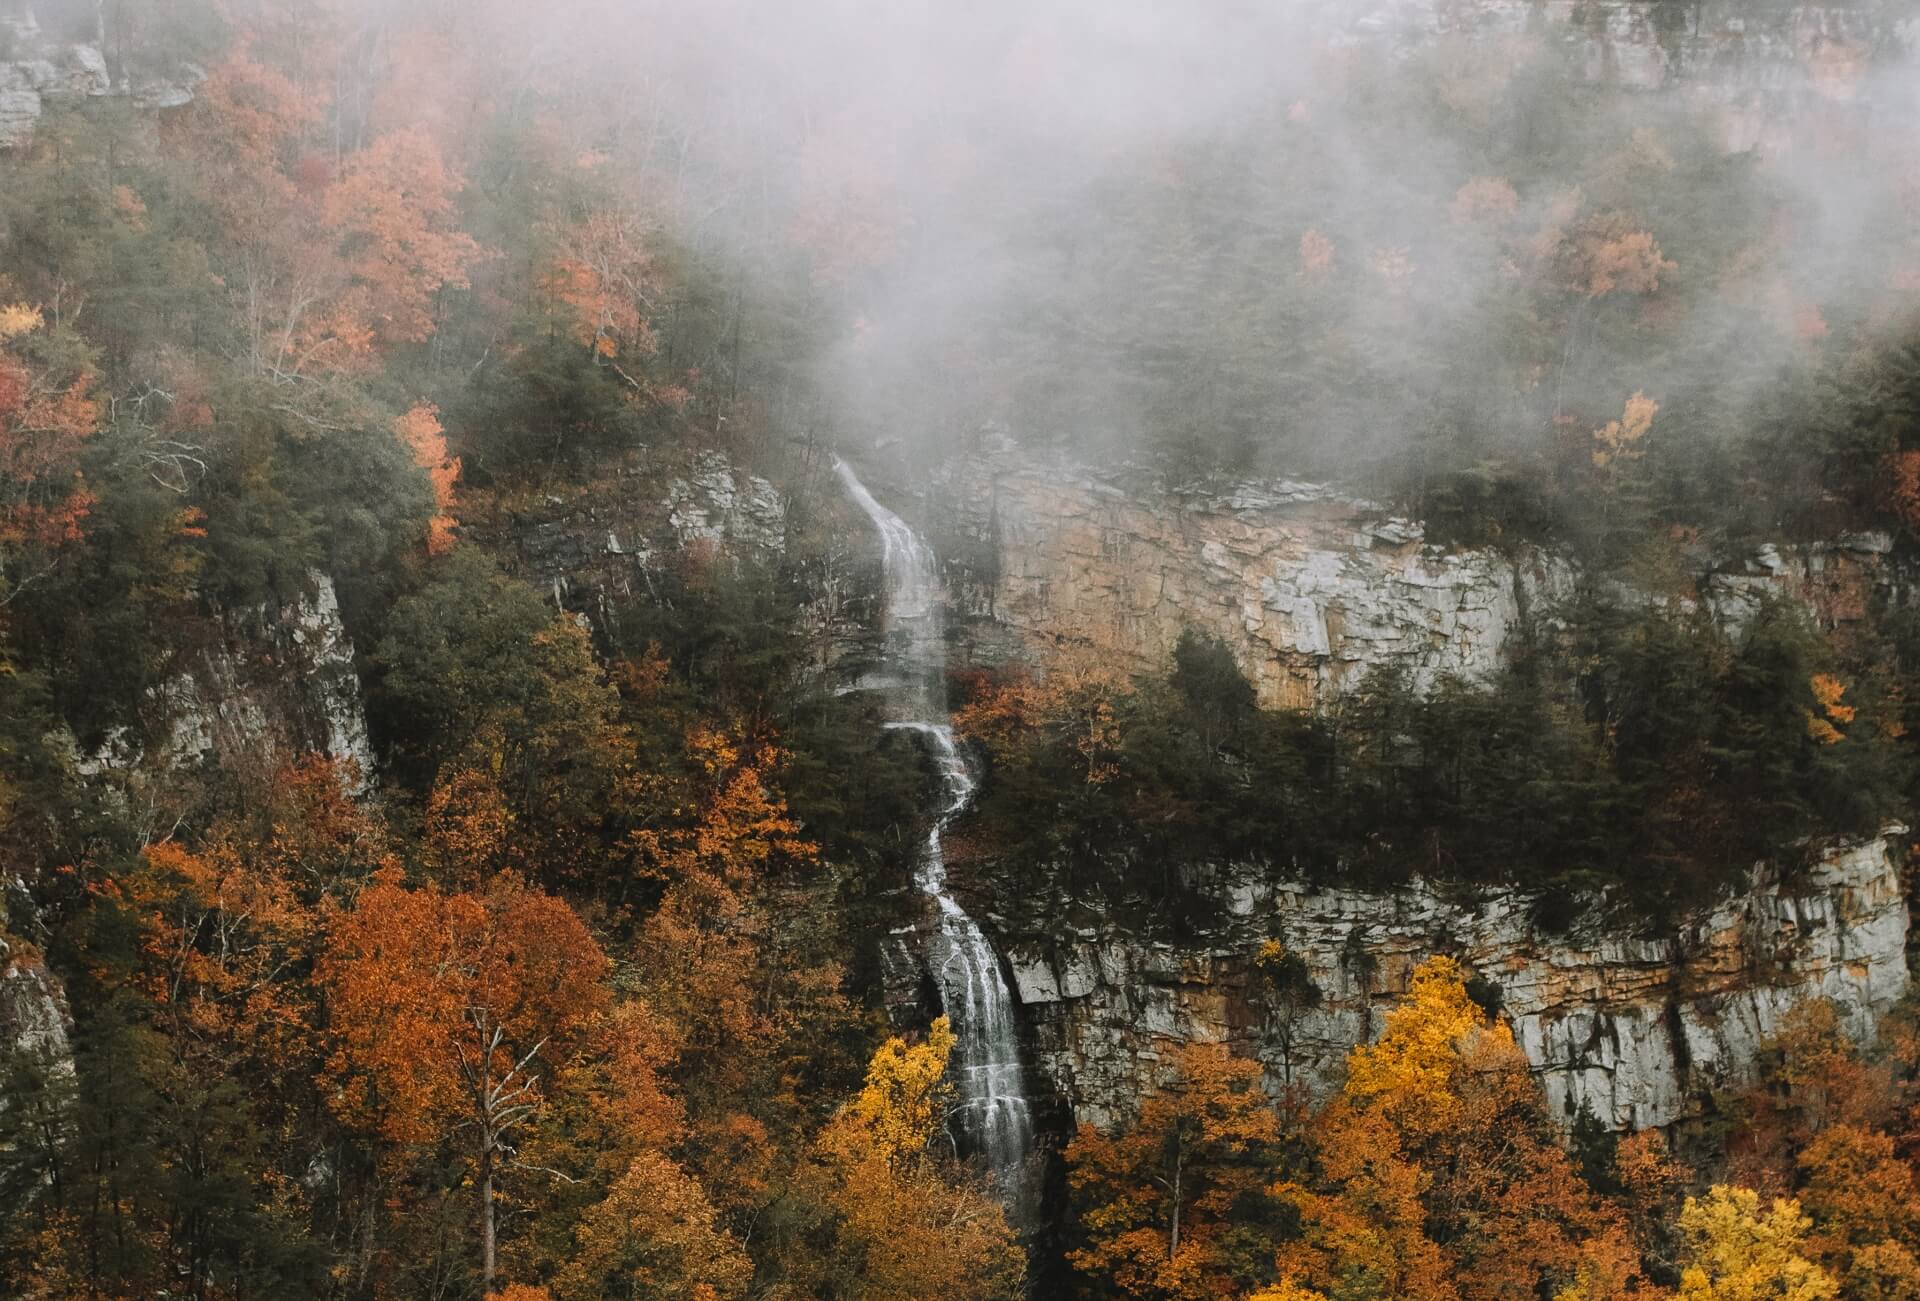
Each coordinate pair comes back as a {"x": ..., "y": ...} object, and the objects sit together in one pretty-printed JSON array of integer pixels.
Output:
[
  {"x": 1309, "y": 587},
  {"x": 1639, "y": 1030},
  {"x": 259, "y": 688}
]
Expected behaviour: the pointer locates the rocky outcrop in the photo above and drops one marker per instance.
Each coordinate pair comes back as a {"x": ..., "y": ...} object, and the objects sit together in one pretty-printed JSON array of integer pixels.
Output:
[
  {"x": 1766, "y": 72},
  {"x": 1639, "y": 1030},
  {"x": 260, "y": 687},
  {"x": 1309, "y": 586},
  {"x": 41, "y": 62},
  {"x": 606, "y": 541}
]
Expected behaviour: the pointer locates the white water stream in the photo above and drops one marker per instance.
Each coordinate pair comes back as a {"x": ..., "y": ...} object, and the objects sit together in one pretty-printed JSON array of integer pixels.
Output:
[{"x": 973, "y": 992}]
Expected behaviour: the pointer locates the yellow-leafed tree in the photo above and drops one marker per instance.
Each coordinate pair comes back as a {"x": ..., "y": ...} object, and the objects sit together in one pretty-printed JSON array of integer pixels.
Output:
[{"x": 1741, "y": 1251}]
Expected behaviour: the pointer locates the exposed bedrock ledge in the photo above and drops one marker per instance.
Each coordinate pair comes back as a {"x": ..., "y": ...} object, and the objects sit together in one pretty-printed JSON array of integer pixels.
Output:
[
  {"x": 1310, "y": 587},
  {"x": 1642, "y": 1031}
]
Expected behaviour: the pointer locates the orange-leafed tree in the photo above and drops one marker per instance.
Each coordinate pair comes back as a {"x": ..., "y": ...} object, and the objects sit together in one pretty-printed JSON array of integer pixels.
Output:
[
  {"x": 47, "y": 411},
  {"x": 230, "y": 925},
  {"x": 1652, "y": 1184},
  {"x": 1900, "y": 474},
  {"x": 1865, "y": 1204},
  {"x": 1363, "y": 1218},
  {"x": 728, "y": 972},
  {"x": 1625, "y": 439},
  {"x": 619, "y": 1216},
  {"x": 449, "y": 1007},
  {"x": 601, "y": 282},
  {"x": 655, "y": 1234},
  {"x": 1499, "y": 1194},
  {"x": 467, "y": 831},
  {"x": 707, "y": 929},
  {"x": 1079, "y": 704},
  {"x": 419, "y": 429},
  {"x": 1606, "y": 254},
  {"x": 1156, "y": 1201},
  {"x": 393, "y": 212}
]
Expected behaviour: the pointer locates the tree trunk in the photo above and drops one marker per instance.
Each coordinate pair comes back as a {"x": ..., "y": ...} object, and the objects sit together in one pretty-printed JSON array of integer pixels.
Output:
[
  {"x": 1173, "y": 1240},
  {"x": 486, "y": 1213}
]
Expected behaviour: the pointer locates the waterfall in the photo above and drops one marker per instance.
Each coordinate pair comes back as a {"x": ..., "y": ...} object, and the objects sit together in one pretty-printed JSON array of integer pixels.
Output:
[{"x": 994, "y": 1109}]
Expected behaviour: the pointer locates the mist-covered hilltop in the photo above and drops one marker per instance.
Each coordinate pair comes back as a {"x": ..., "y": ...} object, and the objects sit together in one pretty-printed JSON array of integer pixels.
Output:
[{"x": 863, "y": 650}]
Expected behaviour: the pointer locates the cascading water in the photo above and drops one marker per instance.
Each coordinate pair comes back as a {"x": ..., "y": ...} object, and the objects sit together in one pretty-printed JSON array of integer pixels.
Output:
[{"x": 974, "y": 994}]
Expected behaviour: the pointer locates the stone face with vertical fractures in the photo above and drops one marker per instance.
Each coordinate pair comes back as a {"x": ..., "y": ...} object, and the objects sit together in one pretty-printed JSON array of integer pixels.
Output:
[
  {"x": 1309, "y": 587},
  {"x": 1639, "y": 1030}
]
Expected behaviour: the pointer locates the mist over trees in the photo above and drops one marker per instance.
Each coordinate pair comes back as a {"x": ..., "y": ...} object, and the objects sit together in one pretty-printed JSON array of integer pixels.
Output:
[{"x": 568, "y": 982}]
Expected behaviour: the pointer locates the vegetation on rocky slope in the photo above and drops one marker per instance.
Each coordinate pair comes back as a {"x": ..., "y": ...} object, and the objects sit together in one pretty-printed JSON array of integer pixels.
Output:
[{"x": 580, "y": 998}]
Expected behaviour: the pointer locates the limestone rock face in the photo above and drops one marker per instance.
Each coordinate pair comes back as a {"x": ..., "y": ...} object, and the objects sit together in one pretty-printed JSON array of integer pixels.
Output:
[
  {"x": 714, "y": 502},
  {"x": 1309, "y": 587},
  {"x": 605, "y": 542},
  {"x": 1760, "y": 69},
  {"x": 1640, "y": 1030}
]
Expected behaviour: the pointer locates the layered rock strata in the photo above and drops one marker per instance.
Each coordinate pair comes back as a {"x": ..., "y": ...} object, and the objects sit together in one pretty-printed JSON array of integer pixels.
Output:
[
  {"x": 1310, "y": 587},
  {"x": 1641, "y": 1031}
]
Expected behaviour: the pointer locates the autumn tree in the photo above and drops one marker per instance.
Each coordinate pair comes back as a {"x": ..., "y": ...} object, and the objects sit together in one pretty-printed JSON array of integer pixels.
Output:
[
  {"x": 1362, "y": 1224},
  {"x": 1606, "y": 254},
  {"x": 1738, "y": 1250},
  {"x": 601, "y": 281},
  {"x": 1172, "y": 1206},
  {"x": 726, "y": 970},
  {"x": 1497, "y": 1192},
  {"x": 393, "y": 211},
  {"x": 448, "y": 1008},
  {"x": 655, "y": 1234},
  {"x": 1864, "y": 1203},
  {"x": 1412, "y": 1071},
  {"x": 1625, "y": 439},
  {"x": 420, "y": 430},
  {"x": 614, "y": 1212},
  {"x": 905, "y": 1220},
  {"x": 1816, "y": 1079},
  {"x": 47, "y": 411}
]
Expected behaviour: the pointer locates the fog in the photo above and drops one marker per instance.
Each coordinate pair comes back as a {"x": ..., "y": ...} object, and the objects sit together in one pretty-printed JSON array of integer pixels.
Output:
[{"x": 1235, "y": 234}]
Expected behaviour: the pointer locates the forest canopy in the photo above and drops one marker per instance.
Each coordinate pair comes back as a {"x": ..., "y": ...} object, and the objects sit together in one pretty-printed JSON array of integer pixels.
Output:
[{"x": 385, "y": 916}]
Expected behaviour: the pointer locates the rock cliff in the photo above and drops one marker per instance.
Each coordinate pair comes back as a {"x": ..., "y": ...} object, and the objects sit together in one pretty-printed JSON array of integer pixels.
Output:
[
  {"x": 1640, "y": 1030},
  {"x": 1308, "y": 586},
  {"x": 608, "y": 541},
  {"x": 53, "y": 51},
  {"x": 272, "y": 682}
]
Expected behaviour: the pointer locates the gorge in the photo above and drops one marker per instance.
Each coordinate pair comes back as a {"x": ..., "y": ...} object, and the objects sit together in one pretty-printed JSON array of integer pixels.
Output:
[{"x": 736, "y": 651}]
